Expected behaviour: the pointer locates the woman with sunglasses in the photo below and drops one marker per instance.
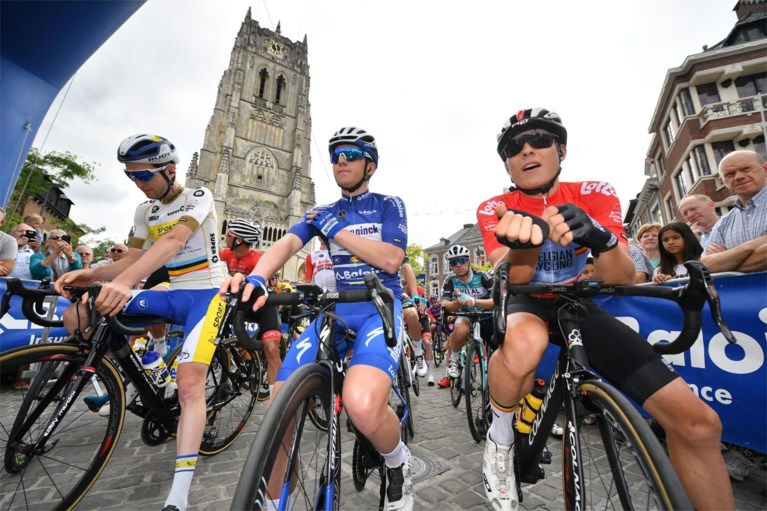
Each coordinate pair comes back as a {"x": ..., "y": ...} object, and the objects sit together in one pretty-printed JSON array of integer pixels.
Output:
[
  {"x": 365, "y": 233},
  {"x": 583, "y": 218}
]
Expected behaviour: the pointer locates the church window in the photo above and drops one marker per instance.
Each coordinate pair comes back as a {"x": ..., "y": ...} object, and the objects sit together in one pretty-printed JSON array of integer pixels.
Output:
[
  {"x": 263, "y": 76},
  {"x": 280, "y": 89}
]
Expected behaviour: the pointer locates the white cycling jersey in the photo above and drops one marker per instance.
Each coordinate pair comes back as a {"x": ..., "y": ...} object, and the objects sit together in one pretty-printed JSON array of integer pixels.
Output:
[{"x": 197, "y": 265}]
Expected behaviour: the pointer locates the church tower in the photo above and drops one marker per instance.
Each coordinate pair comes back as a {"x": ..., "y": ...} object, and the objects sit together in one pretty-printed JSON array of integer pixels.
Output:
[{"x": 256, "y": 156}]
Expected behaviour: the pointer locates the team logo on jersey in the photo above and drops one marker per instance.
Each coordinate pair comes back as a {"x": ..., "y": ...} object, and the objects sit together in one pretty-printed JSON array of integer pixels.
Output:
[
  {"x": 155, "y": 208},
  {"x": 198, "y": 193},
  {"x": 488, "y": 208},
  {"x": 341, "y": 214}
]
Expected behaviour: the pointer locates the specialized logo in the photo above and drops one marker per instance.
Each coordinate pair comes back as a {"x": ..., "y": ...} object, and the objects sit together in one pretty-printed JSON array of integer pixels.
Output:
[{"x": 302, "y": 346}]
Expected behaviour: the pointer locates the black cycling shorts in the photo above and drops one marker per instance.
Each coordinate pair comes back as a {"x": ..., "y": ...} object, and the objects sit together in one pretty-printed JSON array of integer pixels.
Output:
[{"x": 615, "y": 351}]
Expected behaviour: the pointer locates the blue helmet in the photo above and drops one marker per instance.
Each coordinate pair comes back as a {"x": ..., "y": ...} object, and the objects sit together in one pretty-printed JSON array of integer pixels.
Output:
[
  {"x": 355, "y": 136},
  {"x": 144, "y": 148}
]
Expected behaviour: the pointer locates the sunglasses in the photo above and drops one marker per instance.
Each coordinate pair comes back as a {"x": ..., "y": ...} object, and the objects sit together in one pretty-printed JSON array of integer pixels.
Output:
[
  {"x": 350, "y": 154},
  {"x": 144, "y": 175},
  {"x": 537, "y": 139},
  {"x": 118, "y": 250},
  {"x": 458, "y": 260}
]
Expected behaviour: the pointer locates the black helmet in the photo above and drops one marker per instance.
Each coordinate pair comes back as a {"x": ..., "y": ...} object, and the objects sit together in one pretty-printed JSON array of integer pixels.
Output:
[{"x": 529, "y": 119}]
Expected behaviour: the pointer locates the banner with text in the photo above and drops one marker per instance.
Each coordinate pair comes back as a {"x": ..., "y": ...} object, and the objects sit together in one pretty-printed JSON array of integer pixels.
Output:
[
  {"x": 732, "y": 379},
  {"x": 16, "y": 330}
]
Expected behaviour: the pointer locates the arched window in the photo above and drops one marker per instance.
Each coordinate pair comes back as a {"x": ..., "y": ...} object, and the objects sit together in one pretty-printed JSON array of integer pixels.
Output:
[
  {"x": 280, "y": 89},
  {"x": 261, "y": 168},
  {"x": 263, "y": 77}
]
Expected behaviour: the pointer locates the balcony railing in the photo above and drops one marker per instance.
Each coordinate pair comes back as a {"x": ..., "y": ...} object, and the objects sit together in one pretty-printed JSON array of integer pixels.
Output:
[{"x": 732, "y": 108}]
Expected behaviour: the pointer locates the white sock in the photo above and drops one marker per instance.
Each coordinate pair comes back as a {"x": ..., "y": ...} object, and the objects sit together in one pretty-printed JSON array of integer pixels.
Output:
[
  {"x": 159, "y": 345},
  {"x": 182, "y": 480},
  {"x": 418, "y": 348},
  {"x": 430, "y": 365},
  {"x": 397, "y": 457},
  {"x": 502, "y": 427}
]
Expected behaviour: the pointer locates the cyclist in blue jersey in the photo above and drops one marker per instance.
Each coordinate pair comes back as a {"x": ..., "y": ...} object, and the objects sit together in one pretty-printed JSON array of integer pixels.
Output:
[
  {"x": 175, "y": 228},
  {"x": 365, "y": 233},
  {"x": 465, "y": 291}
]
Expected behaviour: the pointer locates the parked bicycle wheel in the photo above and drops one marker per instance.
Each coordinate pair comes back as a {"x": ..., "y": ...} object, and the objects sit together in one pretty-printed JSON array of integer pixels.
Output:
[
  {"x": 407, "y": 428},
  {"x": 57, "y": 472},
  {"x": 231, "y": 389},
  {"x": 477, "y": 408},
  {"x": 627, "y": 468},
  {"x": 286, "y": 430}
]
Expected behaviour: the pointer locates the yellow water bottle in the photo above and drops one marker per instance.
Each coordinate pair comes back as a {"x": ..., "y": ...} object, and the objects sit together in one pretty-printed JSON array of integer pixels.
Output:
[{"x": 530, "y": 406}]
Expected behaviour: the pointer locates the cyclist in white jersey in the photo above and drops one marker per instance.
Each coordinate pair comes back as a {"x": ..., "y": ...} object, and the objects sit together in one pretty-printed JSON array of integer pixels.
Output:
[{"x": 175, "y": 228}]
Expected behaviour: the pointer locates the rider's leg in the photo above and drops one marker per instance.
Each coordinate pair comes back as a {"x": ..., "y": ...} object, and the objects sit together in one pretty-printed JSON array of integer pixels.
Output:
[
  {"x": 410, "y": 315},
  {"x": 456, "y": 341},
  {"x": 271, "y": 340},
  {"x": 191, "y": 396},
  {"x": 693, "y": 434}
]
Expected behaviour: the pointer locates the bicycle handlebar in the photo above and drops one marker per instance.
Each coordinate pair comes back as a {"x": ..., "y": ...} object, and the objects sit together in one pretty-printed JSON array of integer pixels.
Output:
[
  {"x": 690, "y": 297},
  {"x": 381, "y": 297},
  {"x": 32, "y": 299}
]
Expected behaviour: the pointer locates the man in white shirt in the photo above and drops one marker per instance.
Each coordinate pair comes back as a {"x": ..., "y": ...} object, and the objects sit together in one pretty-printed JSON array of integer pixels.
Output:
[{"x": 26, "y": 247}]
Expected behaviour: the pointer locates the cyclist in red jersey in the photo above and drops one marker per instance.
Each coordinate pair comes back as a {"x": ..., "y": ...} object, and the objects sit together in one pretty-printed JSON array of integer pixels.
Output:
[
  {"x": 582, "y": 217},
  {"x": 239, "y": 254},
  {"x": 240, "y": 257}
]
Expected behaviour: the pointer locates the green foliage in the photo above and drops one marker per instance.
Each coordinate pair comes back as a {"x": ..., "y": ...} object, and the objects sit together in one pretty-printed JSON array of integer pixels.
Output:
[
  {"x": 416, "y": 255},
  {"x": 482, "y": 267},
  {"x": 100, "y": 248},
  {"x": 35, "y": 179}
]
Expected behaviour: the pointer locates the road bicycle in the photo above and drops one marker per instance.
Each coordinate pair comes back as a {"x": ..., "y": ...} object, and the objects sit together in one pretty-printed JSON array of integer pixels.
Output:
[
  {"x": 308, "y": 470},
  {"x": 619, "y": 464},
  {"x": 439, "y": 344},
  {"x": 56, "y": 440}
]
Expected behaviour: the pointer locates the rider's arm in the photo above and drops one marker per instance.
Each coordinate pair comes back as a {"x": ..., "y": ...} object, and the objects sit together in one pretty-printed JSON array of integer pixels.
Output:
[
  {"x": 161, "y": 251},
  {"x": 277, "y": 255},
  {"x": 380, "y": 254},
  {"x": 411, "y": 287},
  {"x": 615, "y": 267}
]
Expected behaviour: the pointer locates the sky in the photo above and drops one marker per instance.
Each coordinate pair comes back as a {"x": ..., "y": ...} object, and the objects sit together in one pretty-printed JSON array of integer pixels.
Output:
[{"x": 432, "y": 80}]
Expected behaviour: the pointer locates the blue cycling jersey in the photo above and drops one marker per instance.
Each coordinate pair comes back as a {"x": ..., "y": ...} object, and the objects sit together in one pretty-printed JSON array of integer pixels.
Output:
[{"x": 369, "y": 215}]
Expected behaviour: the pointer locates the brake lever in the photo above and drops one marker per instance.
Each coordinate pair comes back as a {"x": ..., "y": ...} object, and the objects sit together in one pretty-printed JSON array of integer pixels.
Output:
[{"x": 706, "y": 282}]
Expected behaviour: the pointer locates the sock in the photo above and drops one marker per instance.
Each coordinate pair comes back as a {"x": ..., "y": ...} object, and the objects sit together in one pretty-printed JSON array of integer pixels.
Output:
[
  {"x": 502, "y": 427},
  {"x": 430, "y": 365},
  {"x": 182, "y": 480},
  {"x": 418, "y": 348},
  {"x": 455, "y": 356},
  {"x": 271, "y": 390},
  {"x": 397, "y": 457},
  {"x": 159, "y": 345}
]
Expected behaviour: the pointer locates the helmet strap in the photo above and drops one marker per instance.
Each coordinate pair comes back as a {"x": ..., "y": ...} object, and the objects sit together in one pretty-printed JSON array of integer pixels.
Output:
[
  {"x": 365, "y": 177},
  {"x": 170, "y": 182}
]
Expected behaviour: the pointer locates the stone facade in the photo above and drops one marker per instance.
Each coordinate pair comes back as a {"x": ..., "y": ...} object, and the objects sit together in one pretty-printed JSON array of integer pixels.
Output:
[{"x": 256, "y": 156}]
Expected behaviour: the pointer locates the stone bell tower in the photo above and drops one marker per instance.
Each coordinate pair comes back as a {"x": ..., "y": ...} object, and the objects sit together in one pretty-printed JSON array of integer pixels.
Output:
[{"x": 256, "y": 154}]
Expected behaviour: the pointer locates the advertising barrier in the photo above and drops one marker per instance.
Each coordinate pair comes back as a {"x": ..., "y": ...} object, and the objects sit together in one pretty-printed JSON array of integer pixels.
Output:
[
  {"x": 16, "y": 330},
  {"x": 732, "y": 379}
]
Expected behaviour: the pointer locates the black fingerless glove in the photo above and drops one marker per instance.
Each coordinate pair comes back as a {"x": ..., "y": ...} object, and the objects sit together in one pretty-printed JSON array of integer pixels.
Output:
[
  {"x": 587, "y": 232},
  {"x": 540, "y": 222}
]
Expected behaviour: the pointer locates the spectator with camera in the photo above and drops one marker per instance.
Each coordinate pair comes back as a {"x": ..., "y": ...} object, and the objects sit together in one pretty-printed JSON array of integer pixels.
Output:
[
  {"x": 57, "y": 258},
  {"x": 7, "y": 249},
  {"x": 27, "y": 244}
]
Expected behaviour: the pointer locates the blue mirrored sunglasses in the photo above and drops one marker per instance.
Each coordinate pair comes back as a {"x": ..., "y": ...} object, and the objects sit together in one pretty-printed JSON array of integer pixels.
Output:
[
  {"x": 350, "y": 153},
  {"x": 145, "y": 174},
  {"x": 459, "y": 260}
]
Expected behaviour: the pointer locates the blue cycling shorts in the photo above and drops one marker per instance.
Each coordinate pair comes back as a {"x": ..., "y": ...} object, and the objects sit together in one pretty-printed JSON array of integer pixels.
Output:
[{"x": 369, "y": 347}]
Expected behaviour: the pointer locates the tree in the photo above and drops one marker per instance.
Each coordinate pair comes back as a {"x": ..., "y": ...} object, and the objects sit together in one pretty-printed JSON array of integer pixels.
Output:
[
  {"x": 415, "y": 255},
  {"x": 35, "y": 179}
]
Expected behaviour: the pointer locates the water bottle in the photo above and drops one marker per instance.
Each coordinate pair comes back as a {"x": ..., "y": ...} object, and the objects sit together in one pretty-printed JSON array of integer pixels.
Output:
[
  {"x": 155, "y": 367},
  {"x": 139, "y": 346},
  {"x": 173, "y": 369},
  {"x": 530, "y": 406}
]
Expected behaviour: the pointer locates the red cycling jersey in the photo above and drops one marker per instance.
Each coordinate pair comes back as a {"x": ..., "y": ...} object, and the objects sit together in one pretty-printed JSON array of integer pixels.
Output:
[
  {"x": 244, "y": 264},
  {"x": 557, "y": 264}
]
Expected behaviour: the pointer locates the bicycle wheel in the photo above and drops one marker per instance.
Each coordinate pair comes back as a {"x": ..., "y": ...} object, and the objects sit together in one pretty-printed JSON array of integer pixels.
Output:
[
  {"x": 362, "y": 464},
  {"x": 407, "y": 427},
  {"x": 58, "y": 473},
  {"x": 304, "y": 453},
  {"x": 456, "y": 388},
  {"x": 263, "y": 386},
  {"x": 477, "y": 407},
  {"x": 624, "y": 465},
  {"x": 414, "y": 381},
  {"x": 231, "y": 389},
  {"x": 438, "y": 346}
]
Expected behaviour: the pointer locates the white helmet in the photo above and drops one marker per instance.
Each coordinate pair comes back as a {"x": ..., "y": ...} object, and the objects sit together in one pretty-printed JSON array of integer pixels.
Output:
[
  {"x": 144, "y": 148},
  {"x": 456, "y": 251},
  {"x": 245, "y": 229}
]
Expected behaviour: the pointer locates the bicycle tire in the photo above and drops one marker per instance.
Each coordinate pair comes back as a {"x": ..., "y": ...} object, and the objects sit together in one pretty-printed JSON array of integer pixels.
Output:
[
  {"x": 230, "y": 395},
  {"x": 439, "y": 347},
  {"x": 476, "y": 396},
  {"x": 263, "y": 388},
  {"x": 414, "y": 380},
  {"x": 285, "y": 423},
  {"x": 456, "y": 388},
  {"x": 628, "y": 468},
  {"x": 62, "y": 471},
  {"x": 407, "y": 428}
]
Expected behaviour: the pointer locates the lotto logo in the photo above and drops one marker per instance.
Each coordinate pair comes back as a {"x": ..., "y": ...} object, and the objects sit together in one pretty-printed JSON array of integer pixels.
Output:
[{"x": 600, "y": 187}]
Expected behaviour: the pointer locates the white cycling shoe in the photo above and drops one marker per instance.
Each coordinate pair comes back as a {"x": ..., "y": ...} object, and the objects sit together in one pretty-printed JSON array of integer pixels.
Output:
[
  {"x": 498, "y": 476},
  {"x": 421, "y": 366},
  {"x": 399, "y": 486}
]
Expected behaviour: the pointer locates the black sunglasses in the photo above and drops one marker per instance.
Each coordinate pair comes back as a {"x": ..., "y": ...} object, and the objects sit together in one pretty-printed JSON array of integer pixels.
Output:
[{"x": 537, "y": 139}]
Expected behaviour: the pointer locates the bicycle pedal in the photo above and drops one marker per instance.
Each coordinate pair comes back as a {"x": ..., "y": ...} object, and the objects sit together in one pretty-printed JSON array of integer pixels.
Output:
[{"x": 546, "y": 456}]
